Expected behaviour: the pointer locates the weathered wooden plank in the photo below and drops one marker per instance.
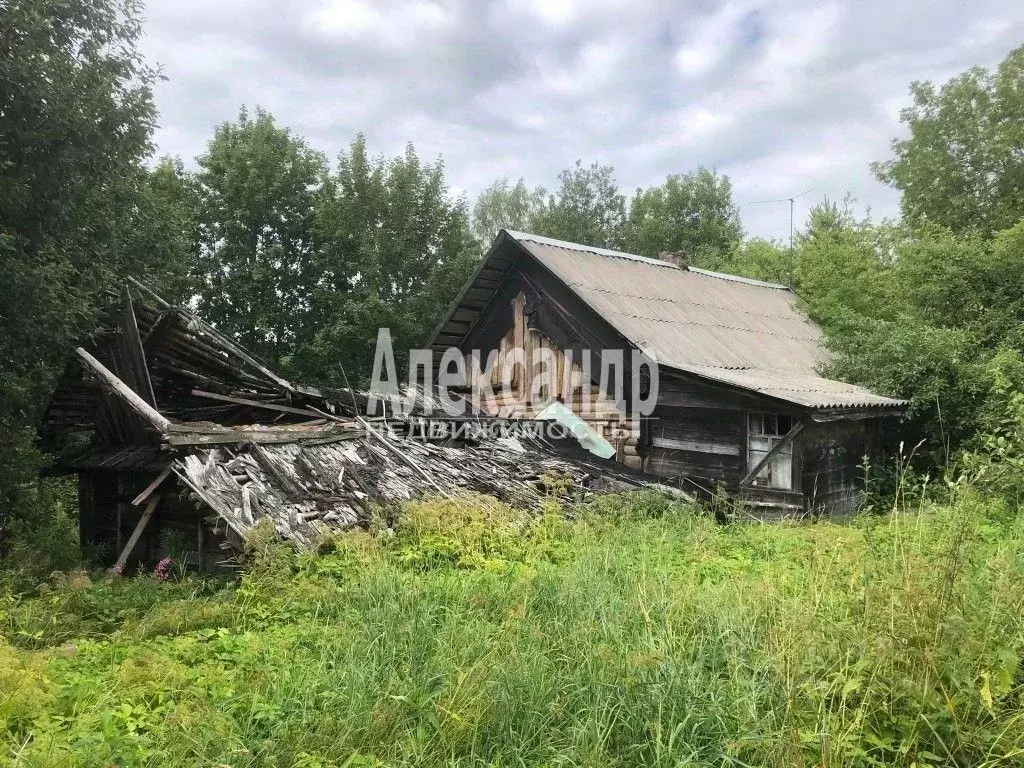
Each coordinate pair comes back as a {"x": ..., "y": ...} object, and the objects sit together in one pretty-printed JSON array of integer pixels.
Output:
[
  {"x": 136, "y": 533},
  {"x": 254, "y": 403},
  {"x": 151, "y": 487},
  {"x": 697, "y": 446},
  {"x": 257, "y": 437},
  {"x": 135, "y": 349}
]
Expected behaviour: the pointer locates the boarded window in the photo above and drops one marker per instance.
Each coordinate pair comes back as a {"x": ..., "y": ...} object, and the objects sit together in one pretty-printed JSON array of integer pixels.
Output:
[{"x": 764, "y": 432}]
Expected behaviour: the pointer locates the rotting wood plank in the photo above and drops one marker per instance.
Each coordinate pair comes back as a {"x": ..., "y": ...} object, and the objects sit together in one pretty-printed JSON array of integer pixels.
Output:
[
  {"x": 151, "y": 487},
  {"x": 136, "y": 533},
  {"x": 135, "y": 349},
  {"x": 257, "y": 437},
  {"x": 696, "y": 446},
  {"x": 254, "y": 403}
]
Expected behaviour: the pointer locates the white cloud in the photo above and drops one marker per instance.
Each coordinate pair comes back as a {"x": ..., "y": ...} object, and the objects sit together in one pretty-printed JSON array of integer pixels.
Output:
[{"x": 361, "y": 21}]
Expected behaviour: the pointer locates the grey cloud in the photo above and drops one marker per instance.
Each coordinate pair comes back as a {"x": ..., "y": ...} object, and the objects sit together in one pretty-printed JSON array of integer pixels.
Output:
[{"x": 780, "y": 95}]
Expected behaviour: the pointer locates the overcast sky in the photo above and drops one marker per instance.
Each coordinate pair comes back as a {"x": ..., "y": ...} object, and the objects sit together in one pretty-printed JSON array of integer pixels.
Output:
[{"x": 781, "y": 96}]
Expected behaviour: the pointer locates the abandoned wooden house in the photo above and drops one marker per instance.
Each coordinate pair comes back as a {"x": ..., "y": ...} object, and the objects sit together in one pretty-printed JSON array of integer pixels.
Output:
[
  {"x": 741, "y": 403},
  {"x": 183, "y": 442}
]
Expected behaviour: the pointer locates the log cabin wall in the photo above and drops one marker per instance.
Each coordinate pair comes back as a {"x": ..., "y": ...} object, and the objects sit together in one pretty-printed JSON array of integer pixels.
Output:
[
  {"x": 532, "y": 318},
  {"x": 699, "y": 430},
  {"x": 178, "y": 528}
]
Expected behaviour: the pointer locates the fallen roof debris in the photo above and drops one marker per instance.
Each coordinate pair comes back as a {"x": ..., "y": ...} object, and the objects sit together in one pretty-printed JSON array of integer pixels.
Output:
[{"x": 163, "y": 392}]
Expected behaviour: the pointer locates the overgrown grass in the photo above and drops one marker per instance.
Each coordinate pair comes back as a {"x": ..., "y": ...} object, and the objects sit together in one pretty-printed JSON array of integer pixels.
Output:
[{"x": 636, "y": 634}]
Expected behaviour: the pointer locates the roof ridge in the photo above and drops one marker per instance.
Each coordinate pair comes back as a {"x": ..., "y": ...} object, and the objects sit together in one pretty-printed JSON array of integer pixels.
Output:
[
  {"x": 570, "y": 246},
  {"x": 739, "y": 279},
  {"x": 677, "y": 300}
]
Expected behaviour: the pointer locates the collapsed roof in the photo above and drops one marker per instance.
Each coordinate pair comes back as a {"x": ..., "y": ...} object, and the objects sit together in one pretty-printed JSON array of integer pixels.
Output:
[{"x": 159, "y": 390}]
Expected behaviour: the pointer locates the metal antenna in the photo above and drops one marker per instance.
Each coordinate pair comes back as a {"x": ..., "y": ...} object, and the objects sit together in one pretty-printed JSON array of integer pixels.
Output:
[{"x": 783, "y": 200}]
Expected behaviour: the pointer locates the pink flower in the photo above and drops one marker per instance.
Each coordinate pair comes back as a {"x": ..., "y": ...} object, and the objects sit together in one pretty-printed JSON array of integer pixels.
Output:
[{"x": 162, "y": 569}]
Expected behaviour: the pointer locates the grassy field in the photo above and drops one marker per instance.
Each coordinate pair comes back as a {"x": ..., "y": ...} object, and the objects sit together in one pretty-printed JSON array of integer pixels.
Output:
[{"x": 636, "y": 634}]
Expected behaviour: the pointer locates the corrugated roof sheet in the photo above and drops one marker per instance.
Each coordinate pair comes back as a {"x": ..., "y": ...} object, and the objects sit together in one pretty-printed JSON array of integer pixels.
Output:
[{"x": 734, "y": 330}]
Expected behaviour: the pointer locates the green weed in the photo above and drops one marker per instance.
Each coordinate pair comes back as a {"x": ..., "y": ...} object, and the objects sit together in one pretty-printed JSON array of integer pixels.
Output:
[{"x": 637, "y": 632}]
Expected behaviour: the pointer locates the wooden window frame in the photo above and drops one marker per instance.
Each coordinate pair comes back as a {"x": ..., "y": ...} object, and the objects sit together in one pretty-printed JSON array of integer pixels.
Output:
[{"x": 779, "y": 430}]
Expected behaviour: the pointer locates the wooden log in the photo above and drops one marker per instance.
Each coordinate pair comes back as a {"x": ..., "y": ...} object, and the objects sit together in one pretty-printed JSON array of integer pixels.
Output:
[
  {"x": 633, "y": 462},
  {"x": 136, "y": 533},
  {"x": 134, "y": 348},
  {"x": 254, "y": 403},
  {"x": 148, "y": 292},
  {"x": 123, "y": 391},
  {"x": 151, "y": 487},
  {"x": 519, "y": 339},
  {"x": 259, "y": 437}
]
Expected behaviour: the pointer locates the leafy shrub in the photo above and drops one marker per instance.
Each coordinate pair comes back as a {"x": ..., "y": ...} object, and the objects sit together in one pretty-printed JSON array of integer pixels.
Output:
[{"x": 463, "y": 532}]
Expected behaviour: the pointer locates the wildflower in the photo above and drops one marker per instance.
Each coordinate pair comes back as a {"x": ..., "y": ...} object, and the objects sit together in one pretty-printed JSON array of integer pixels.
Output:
[{"x": 162, "y": 569}]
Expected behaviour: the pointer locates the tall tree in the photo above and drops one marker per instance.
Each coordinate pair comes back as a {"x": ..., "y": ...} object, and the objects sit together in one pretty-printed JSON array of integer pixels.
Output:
[
  {"x": 257, "y": 192},
  {"x": 692, "y": 213},
  {"x": 961, "y": 166},
  {"x": 757, "y": 258},
  {"x": 396, "y": 250},
  {"x": 504, "y": 205},
  {"x": 167, "y": 232},
  {"x": 76, "y": 116},
  {"x": 587, "y": 207}
]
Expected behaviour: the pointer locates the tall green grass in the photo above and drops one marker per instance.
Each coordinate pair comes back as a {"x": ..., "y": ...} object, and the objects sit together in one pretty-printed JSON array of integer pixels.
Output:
[{"x": 636, "y": 634}]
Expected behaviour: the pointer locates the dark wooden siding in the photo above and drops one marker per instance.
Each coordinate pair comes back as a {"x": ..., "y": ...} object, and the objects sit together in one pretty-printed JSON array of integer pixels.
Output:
[
  {"x": 705, "y": 444},
  {"x": 699, "y": 429},
  {"x": 105, "y": 506},
  {"x": 833, "y": 457}
]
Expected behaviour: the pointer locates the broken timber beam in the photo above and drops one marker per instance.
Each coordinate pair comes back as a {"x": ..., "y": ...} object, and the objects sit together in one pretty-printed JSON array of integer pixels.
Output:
[
  {"x": 151, "y": 487},
  {"x": 133, "y": 346},
  {"x": 130, "y": 397},
  {"x": 786, "y": 440},
  {"x": 136, "y": 533},
  {"x": 255, "y": 403}
]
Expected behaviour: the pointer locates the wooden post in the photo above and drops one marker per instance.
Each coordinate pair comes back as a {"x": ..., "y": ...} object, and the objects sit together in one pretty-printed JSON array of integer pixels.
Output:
[
  {"x": 119, "y": 506},
  {"x": 519, "y": 342},
  {"x": 131, "y": 398},
  {"x": 201, "y": 535},
  {"x": 786, "y": 440},
  {"x": 136, "y": 533}
]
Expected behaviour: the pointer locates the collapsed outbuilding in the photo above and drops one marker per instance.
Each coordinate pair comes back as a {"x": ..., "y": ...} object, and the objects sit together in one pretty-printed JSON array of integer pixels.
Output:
[{"x": 177, "y": 432}]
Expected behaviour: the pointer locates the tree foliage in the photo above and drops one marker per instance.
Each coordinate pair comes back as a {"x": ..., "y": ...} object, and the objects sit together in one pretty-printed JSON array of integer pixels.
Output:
[
  {"x": 587, "y": 208},
  {"x": 504, "y": 205},
  {"x": 961, "y": 166},
  {"x": 692, "y": 213},
  {"x": 257, "y": 189},
  {"x": 76, "y": 116},
  {"x": 395, "y": 250},
  {"x": 918, "y": 314}
]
